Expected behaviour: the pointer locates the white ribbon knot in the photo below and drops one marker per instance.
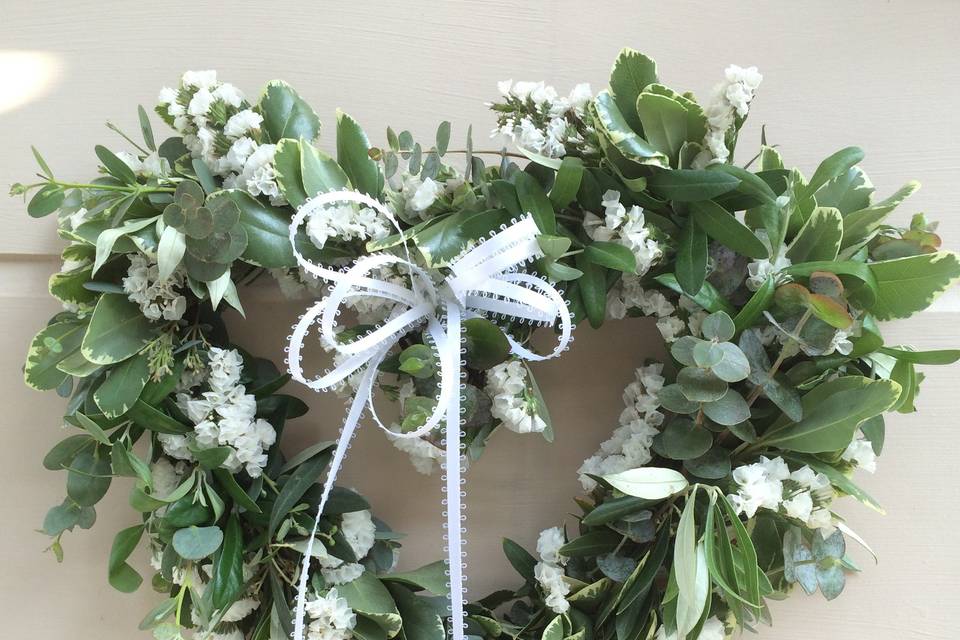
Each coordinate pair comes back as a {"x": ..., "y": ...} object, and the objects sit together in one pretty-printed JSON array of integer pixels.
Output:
[{"x": 483, "y": 281}]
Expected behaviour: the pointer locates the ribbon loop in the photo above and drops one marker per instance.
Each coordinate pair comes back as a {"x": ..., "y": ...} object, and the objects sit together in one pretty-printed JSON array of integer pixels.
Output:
[{"x": 484, "y": 280}]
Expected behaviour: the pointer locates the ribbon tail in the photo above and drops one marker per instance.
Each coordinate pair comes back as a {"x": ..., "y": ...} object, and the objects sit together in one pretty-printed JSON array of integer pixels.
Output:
[
  {"x": 346, "y": 435},
  {"x": 455, "y": 552}
]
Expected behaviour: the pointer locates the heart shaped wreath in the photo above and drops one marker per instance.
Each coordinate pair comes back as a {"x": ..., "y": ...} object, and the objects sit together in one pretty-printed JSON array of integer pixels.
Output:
[{"x": 714, "y": 493}]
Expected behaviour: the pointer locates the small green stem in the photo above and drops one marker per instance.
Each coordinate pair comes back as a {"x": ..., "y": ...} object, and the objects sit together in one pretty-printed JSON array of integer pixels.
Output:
[
  {"x": 781, "y": 357},
  {"x": 117, "y": 130},
  {"x": 270, "y": 483},
  {"x": 488, "y": 153},
  {"x": 139, "y": 188}
]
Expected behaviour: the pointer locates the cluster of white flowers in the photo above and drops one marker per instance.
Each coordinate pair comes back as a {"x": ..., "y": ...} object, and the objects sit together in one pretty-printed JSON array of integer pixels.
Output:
[
  {"x": 331, "y": 617},
  {"x": 513, "y": 401},
  {"x": 549, "y": 571},
  {"x": 712, "y": 629},
  {"x": 219, "y": 126},
  {"x": 545, "y": 128},
  {"x": 199, "y": 578},
  {"x": 731, "y": 98},
  {"x": 346, "y": 222},
  {"x": 414, "y": 195},
  {"x": 360, "y": 532},
  {"x": 152, "y": 165},
  {"x": 803, "y": 494},
  {"x": 624, "y": 226},
  {"x": 860, "y": 452},
  {"x": 424, "y": 455},
  {"x": 759, "y": 270},
  {"x": 157, "y": 299},
  {"x": 224, "y": 416},
  {"x": 629, "y": 294},
  {"x": 165, "y": 477},
  {"x": 629, "y": 446}
]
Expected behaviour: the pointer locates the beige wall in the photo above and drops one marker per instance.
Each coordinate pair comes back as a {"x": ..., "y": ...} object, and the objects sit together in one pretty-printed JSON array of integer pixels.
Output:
[{"x": 878, "y": 74}]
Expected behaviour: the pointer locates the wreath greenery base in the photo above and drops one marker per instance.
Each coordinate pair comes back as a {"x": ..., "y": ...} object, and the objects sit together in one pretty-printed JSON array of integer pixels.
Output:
[{"x": 716, "y": 492}]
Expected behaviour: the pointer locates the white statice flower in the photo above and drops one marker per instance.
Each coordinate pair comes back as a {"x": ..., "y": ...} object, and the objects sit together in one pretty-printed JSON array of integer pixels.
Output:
[
  {"x": 359, "y": 531},
  {"x": 157, "y": 299},
  {"x": 259, "y": 175},
  {"x": 415, "y": 196},
  {"x": 712, "y": 629},
  {"x": 759, "y": 485},
  {"x": 811, "y": 500},
  {"x": 629, "y": 295},
  {"x": 759, "y": 270},
  {"x": 513, "y": 400},
  {"x": 219, "y": 126},
  {"x": 200, "y": 103},
  {"x": 200, "y": 79},
  {"x": 426, "y": 194},
  {"x": 331, "y": 617},
  {"x": 803, "y": 494},
  {"x": 130, "y": 160},
  {"x": 800, "y": 506},
  {"x": 241, "y": 123},
  {"x": 346, "y": 222},
  {"x": 626, "y": 227},
  {"x": 230, "y": 95},
  {"x": 731, "y": 98},
  {"x": 237, "y": 155},
  {"x": 165, "y": 477},
  {"x": 551, "y": 580},
  {"x": 629, "y": 446},
  {"x": 860, "y": 452},
  {"x": 840, "y": 342},
  {"x": 546, "y": 128},
  {"x": 240, "y": 609},
  {"x": 424, "y": 455},
  {"x": 225, "y": 415},
  {"x": 343, "y": 573},
  {"x": 548, "y": 545}
]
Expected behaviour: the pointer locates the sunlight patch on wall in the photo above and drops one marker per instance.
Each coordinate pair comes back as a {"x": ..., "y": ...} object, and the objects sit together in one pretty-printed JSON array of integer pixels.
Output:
[{"x": 28, "y": 75}]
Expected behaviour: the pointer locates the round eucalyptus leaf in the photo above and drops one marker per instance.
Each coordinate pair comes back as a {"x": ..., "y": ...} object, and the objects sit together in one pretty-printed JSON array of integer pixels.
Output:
[
  {"x": 729, "y": 410},
  {"x": 707, "y": 354},
  {"x": 744, "y": 430},
  {"x": 733, "y": 367},
  {"x": 229, "y": 245},
  {"x": 225, "y": 212},
  {"x": 199, "y": 223},
  {"x": 189, "y": 194},
  {"x": 713, "y": 465},
  {"x": 197, "y": 543},
  {"x": 718, "y": 326},
  {"x": 88, "y": 479},
  {"x": 700, "y": 385},
  {"x": 203, "y": 271},
  {"x": 173, "y": 216},
  {"x": 672, "y": 399},
  {"x": 682, "y": 350},
  {"x": 682, "y": 440}
]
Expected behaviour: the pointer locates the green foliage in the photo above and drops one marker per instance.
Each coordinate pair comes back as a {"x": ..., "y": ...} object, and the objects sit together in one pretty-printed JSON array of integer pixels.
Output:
[
  {"x": 286, "y": 114},
  {"x": 768, "y": 284}
]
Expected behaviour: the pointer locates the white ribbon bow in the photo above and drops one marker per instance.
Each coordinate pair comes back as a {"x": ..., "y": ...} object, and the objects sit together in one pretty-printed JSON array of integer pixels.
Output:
[{"x": 483, "y": 281}]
